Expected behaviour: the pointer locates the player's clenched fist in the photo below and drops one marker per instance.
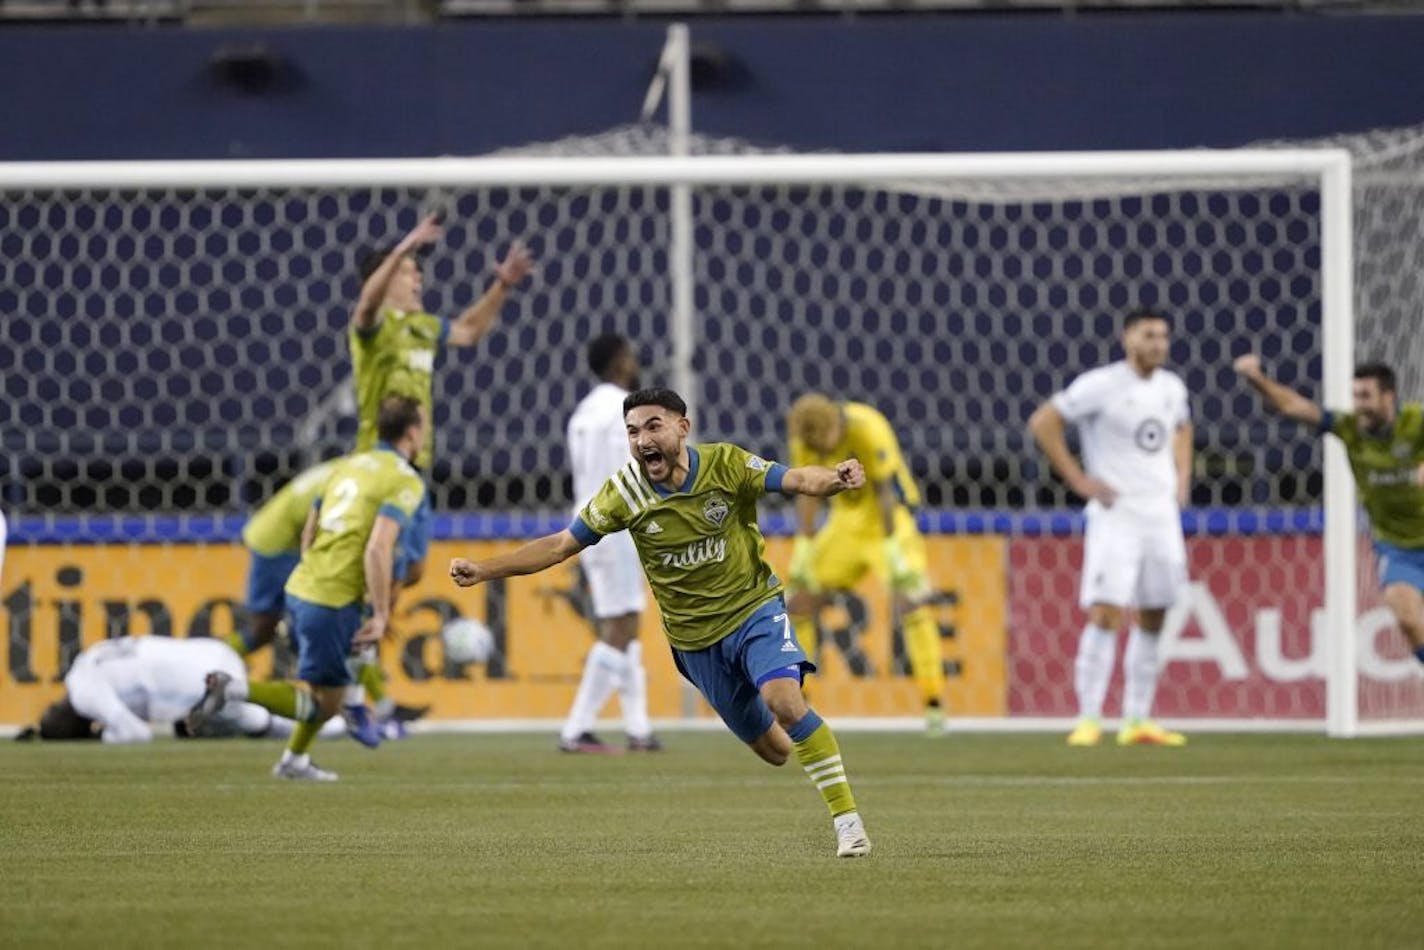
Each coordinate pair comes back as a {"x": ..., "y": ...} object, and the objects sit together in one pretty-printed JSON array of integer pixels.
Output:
[
  {"x": 1248, "y": 366},
  {"x": 851, "y": 474},
  {"x": 464, "y": 573}
]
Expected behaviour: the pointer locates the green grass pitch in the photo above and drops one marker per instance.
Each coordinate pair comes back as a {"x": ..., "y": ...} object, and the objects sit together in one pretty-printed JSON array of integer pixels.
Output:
[{"x": 495, "y": 841}]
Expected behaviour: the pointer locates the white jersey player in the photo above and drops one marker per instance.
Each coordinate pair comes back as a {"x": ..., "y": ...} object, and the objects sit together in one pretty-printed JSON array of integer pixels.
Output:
[
  {"x": 117, "y": 687},
  {"x": 1134, "y": 425},
  {"x": 598, "y": 447}
]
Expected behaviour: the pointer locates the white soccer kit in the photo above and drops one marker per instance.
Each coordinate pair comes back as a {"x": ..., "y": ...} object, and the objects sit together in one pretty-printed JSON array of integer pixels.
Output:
[
  {"x": 598, "y": 447},
  {"x": 125, "y": 683},
  {"x": 1134, "y": 554}
]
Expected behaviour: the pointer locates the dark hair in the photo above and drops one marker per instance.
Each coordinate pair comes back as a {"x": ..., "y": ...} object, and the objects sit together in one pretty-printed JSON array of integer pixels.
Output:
[
  {"x": 1143, "y": 313},
  {"x": 1380, "y": 373},
  {"x": 603, "y": 351},
  {"x": 62, "y": 721},
  {"x": 375, "y": 258},
  {"x": 397, "y": 414},
  {"x": 665, "y": 398}
]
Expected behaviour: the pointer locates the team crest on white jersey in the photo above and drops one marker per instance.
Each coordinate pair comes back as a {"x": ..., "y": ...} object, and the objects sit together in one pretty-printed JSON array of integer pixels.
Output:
[
  {"x": 1151, "y": 435},
  {"x": 716, "y": 510}
]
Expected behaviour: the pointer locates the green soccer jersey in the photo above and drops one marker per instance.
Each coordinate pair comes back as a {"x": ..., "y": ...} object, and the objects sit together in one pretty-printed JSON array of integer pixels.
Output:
[
  {"x": 700, "y": 546},
  {"x": 396, "y": 357},
  {"x": 276, "y": 527},
  {"x": 359, "y": 489},
  {"x": 1384, "y": 467}
]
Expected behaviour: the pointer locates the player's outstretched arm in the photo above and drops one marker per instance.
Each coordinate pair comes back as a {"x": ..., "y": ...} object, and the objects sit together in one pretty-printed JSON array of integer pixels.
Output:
[
  {"x": 476, "y": 320},
  {"x": 1282, "y": 399},
  {"x": 1047, "y": 427},
  {"x": 821, "y": 482},
  {"x": 532, "y": 558},
  {"x": 373, "y": 291}
]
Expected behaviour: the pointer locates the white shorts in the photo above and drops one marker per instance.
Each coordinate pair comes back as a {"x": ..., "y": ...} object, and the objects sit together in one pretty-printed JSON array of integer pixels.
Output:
[
  {"x": 615, "y": 576},
  {"x": 1131, "y": 559}
]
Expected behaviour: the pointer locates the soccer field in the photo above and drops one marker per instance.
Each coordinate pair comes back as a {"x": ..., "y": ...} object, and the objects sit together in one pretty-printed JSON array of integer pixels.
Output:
[{"x": 987, "y": 841}]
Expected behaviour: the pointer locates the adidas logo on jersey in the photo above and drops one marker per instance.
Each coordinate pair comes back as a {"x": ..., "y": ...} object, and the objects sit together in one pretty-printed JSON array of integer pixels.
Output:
[
  {"x": 788, "y": 647},
  {"x": 653, "y": 528}
]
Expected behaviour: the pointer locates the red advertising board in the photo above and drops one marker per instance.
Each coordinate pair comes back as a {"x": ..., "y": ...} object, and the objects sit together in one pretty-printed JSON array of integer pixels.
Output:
[{"x": 1246, "y": 642}]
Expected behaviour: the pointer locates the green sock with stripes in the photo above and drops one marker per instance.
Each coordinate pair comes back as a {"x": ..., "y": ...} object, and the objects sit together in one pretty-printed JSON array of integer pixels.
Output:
[
  {"x": 303, "y": 736},
  {"x": 820, "y": 755},
  {"x": 284, "y": 699}
]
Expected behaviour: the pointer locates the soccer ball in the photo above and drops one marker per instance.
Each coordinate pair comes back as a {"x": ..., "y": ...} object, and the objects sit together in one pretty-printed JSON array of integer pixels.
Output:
[{"x": 467, "y": 640}]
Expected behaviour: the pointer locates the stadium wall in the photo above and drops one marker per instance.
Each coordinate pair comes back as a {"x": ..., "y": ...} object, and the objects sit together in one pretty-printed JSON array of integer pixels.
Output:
[{"x": 912, "y": 82}]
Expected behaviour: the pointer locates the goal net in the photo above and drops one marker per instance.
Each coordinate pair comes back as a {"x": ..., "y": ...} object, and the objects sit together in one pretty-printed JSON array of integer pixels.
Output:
[{"x": 174, "y": 350}]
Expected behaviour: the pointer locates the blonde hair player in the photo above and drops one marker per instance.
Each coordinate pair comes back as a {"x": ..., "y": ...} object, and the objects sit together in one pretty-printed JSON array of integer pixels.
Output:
[{"x": 871, "y": 529}]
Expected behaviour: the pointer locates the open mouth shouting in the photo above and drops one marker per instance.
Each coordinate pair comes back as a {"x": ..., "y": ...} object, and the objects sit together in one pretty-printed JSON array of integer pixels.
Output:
[{"x": 655, "y": 464}]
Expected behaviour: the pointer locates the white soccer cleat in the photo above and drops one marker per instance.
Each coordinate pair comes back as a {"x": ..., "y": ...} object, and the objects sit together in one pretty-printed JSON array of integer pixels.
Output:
[
  {"x": 302, "y": 770},
  {"x": 851, "y": 839}
]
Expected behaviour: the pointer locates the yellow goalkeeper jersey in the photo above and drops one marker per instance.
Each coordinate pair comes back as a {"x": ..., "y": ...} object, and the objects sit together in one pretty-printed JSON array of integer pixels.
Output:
[{"x": 867, "y": 436}]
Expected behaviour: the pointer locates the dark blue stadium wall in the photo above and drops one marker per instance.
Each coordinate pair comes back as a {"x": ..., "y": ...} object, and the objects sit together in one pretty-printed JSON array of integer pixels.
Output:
[{"x": 946, "y": 82}]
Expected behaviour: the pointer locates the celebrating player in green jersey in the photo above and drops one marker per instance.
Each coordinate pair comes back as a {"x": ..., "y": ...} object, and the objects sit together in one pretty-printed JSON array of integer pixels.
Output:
[
  {"x": 273, "y": 539},
  {"x": 394, "y": 343},
  {"x": 692, "y": 514},
  {"x": 1385, "y": 443},
  {"x": 349, "y": 546}
]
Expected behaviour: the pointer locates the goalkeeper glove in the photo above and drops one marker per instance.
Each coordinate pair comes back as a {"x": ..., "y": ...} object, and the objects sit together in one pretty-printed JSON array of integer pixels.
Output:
[
  {"x": 903, "y": 575},
  {"x": 803, "y": 576}
]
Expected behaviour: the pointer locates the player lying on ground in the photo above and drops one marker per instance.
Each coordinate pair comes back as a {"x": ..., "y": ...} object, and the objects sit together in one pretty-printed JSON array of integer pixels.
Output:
[
  {"x": 115, "y": 688},
  {"x": 1385, "y": 443},
  {"x": 692, "y": 513}
]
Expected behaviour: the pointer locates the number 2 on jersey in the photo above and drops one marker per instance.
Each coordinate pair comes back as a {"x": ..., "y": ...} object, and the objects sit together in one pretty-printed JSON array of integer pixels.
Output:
[{"x": 340, "y": 498}]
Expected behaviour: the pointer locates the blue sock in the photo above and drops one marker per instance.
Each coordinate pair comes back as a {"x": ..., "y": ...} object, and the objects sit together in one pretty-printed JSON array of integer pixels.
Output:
[
  {"x": 802, "y": 730},
  {"x": 1419, "y": 654}
]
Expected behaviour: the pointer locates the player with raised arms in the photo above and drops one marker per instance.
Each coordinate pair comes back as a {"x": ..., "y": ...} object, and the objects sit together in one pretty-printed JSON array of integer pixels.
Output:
[
  {"x": 692, "y": 513},
  {"x": 395, "y": 342},
  {"x": 1134, "y": 421},
  {"x": 1385, "y": 444},
  {"x": 394, "y": 346}
]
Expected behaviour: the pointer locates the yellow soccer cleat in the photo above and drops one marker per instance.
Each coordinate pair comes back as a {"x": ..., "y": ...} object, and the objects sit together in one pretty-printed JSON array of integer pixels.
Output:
[
  {"x": 1148, "y": 732},
  {"x": 1086, "y": 733}
]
